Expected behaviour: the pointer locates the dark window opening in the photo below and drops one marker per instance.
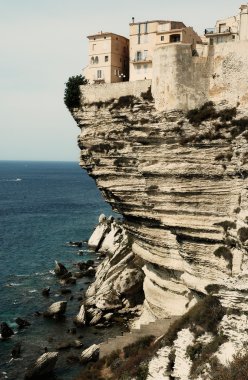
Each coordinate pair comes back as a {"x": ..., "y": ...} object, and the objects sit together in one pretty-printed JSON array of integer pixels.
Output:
[
  {"x": 162, "y": 38},
  {"x": 106, "y": 58},
  {"x": 175, "y": 38}
]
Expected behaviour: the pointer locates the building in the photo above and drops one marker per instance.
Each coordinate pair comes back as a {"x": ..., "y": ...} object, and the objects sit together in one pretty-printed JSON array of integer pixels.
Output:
[
  {"x": 146, "y": 36},
  {"x": 108, "y": 58},
  {"x": 233, "y": 28}
]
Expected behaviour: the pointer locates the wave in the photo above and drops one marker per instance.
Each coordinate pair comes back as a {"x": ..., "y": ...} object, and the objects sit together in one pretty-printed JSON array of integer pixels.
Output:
[
  {"x": 11, "y": 180},
  {"x": 33, "y": 291},
  {"x": 13, "y": 284}
]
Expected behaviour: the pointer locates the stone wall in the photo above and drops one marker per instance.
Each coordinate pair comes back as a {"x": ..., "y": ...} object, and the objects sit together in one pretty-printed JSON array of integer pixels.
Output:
[
  {"x": 182, "y": 81},
  {"x": 107, "y": 91}
]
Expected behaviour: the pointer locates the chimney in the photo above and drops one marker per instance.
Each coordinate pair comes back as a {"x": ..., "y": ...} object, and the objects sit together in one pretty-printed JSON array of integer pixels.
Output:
[{"x": 133, "y": 20}]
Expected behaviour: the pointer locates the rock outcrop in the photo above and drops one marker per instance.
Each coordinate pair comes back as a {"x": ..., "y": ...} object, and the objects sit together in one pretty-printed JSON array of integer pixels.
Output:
[{"x": 119, "y": 278}]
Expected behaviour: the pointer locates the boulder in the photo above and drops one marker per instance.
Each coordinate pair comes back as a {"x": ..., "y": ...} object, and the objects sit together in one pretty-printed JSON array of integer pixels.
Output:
[
  {"x": 108, "y": 316},
  {"x": 102, "y": 218},
  {"x": 42, "y": 367},
  {"x": 79, "y": 320},
  {"x": 108, "y": 301},
  {"x": 90, "y": 272},
  {"x": 56, "y": 310},
  {"x": 6, "y": 331},
  {"x": 68, "y": 281},
  {"x": 46, "y": 292},
  {"x": 90, "y": 354},
  {"x": 16, "y": 351},
  {"x": 60, "y": 269},
  {"x": 22, "y": 323},
  {"x": 97, "y": 317},
  {"x": 129, "y": 281}
]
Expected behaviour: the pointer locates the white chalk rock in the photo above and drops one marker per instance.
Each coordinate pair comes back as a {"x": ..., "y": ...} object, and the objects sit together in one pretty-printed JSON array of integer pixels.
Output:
[
  {"x": 57, "y": 309},
  {"x": 91, "y": 353},
  {"x": 80, "y": 318}
]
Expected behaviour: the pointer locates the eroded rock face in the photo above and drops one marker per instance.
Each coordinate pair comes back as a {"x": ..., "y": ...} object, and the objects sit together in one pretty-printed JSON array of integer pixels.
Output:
[
  {"x": 182, "y": 189},
  {"x": 119, "y": 277}
]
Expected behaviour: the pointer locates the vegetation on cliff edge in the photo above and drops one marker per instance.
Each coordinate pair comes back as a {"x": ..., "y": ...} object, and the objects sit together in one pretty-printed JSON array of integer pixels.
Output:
[{"x": 72, "y": 91}]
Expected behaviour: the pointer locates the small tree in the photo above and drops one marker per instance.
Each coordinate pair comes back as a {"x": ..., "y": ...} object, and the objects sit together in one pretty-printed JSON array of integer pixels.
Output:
[{"x": 72, "y": 91}]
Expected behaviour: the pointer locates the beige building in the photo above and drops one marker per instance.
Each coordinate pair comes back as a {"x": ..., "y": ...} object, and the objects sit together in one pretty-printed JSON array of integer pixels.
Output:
[
  {"x": 233, "y": 28},
  {"x": 108, "y": 58},
  {"x": 145, "y": 37}
]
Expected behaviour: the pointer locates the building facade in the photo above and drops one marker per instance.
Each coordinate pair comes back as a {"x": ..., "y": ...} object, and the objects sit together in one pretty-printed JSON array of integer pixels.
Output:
[
  {"x": 233, "y": 28},
  {"x": 145, "y": 37},
  {"x": 108, "y": 58}
]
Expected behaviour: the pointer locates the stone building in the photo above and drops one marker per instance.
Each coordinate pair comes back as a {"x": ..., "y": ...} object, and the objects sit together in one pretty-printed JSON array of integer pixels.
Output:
[
  {"x": 233, "y": 28},
  {"x": 146, "y": 36},
  {"x": 108, "y": 58}
]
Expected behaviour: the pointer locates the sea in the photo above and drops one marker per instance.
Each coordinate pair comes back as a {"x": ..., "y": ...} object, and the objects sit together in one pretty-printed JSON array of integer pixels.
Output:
[{"x": 43, "y": 206}]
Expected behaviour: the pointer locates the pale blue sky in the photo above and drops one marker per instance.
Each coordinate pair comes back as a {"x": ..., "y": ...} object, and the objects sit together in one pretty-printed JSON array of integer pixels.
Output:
[{"x": 44, "y": 42}]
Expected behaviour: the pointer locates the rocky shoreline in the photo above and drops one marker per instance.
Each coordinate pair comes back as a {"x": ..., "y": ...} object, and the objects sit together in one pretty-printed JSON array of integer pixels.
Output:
[{"x": 114, "y": 296}]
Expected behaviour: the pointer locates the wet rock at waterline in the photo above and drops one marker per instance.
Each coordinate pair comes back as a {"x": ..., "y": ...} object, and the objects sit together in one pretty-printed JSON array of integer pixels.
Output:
[
  {"x": 22, "y": 323},
  {"x": 56, "y": 310},
  {"x": 6, "y": 331},
  {"x": 60, "y": 269},
  {"x": 46, "y": 292}
]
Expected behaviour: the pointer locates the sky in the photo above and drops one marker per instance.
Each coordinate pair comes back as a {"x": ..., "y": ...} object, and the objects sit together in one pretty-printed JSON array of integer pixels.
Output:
[{"x": 43, "y": 43}]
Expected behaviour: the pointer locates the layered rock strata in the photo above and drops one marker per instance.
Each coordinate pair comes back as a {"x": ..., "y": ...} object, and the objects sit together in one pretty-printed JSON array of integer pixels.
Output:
[{"x": 181, "y": 187}]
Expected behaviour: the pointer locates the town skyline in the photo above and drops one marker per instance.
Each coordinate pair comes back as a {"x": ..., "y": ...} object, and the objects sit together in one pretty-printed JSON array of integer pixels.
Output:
[{"x": 45, "y": 44}]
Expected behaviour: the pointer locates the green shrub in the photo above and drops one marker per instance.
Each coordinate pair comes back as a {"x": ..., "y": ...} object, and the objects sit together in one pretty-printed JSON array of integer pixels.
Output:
[
  {"x": 205, "y": 112},
  {"x": 72, "y": 91},
  {"x": 124, "y": 102},
  {"x": 147, "y": 95},
  {"x": 228, "y": 114}
]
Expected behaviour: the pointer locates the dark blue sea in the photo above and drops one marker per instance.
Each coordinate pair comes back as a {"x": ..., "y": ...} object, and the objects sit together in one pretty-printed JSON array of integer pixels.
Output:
[{"x": 43, "y": 205}]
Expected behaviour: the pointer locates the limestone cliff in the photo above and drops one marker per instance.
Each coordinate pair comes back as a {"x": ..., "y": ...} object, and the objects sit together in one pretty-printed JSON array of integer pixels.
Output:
[{"x": 181, "y": 185}]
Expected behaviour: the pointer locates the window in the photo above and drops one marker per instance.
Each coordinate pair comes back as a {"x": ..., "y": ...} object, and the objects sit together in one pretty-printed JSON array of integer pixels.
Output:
[
  {"x": 99, "y": 74},
  {"x": 138, "y": 67},
  {"x": 145, "y": 54},
  {"x": 106, "y": 58},
  {"x": 146, "y": 27},
  {"x": 116, "y": 72},
  {"x": 138, "y": 56},
  {"x": 162, "y": 38},
  {"x": 92, "y": 60},
  {"x": 93, "y": 47},
  {"x": 96, "y": 59},
  {"x": 145, "y": 69},
  {"x": 139, "y": 28},
  {"x": 175, "y": 38},
  {"x": 138, "y": 38}
]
